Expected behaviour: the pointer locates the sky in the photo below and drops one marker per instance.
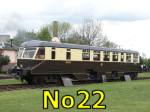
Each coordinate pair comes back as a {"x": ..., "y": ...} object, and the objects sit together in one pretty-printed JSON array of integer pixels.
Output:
[{"x": 125, "y": 22}]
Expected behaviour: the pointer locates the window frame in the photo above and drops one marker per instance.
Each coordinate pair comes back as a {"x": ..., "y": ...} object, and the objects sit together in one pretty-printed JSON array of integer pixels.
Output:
[
  {"x": 135, "y": 57},
  {"x": 85, "y": 52},
  {"x": 106, "y": 53},
  {"x": 68, "y": 54},
  {"x": 98, "y": 53},
  {"x": 24, "y": 51},
  {"x": 53, "y": 53},
  {"x": 41, "y": 55},
  {"x": 127, "y": 56},
  {"x": 114, "y": 55}
]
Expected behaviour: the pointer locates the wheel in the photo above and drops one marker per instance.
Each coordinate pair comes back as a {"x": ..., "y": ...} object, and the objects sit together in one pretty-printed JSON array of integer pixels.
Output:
[
  {"x": 122, "y": 78},
  {"x": 133, "y": 76},
  {"x": 35, "y": 80}
]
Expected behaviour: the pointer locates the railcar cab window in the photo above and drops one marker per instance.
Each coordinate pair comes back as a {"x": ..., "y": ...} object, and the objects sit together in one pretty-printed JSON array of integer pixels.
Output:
[
  {"x": 53, "y": 53},
  {"x": 29, "y": 52},
  {"x": 21, "y": 49},
  {"x": 68, "y": 54},
  {"x": 85, "y": 54},
  {"x": 128, "y": 57},
  {"x": 122, "y": 56},
  {"x": 41, "y": 53},
  {"x": 106, "y": 56},
  {"x": 96, "y": 55},
  {"x": 115, "y": 56},
  {"x": 135, "y": 57}
]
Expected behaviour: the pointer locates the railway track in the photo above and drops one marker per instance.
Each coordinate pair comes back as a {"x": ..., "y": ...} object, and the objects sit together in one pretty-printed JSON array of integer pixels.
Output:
[
  {"x": 12, "y": 87},
  {"x": 142, "y": 78},
  {"x": 5, "y": 77}
]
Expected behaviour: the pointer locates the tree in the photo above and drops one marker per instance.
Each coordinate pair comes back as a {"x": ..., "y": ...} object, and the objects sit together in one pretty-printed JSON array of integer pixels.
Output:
[
  {"x": 75, "y": 38},
  {"x": 90, "y": 33},
  {"x": 23, "y": 36},
  {"x": 4, "y": 60},
  {"x": 62, "y": 29},
  {"x": 44, "y": 33},
  {"x": 148, "y": 62},
  {"x": 91, "y": 30},
  {"x": 105, "y": 42},
  {"x": 144, "y": 60}
]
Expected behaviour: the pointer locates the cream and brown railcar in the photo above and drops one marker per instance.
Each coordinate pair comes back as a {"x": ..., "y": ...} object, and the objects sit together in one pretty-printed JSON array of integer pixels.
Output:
[{"x": 40, "y": 61}]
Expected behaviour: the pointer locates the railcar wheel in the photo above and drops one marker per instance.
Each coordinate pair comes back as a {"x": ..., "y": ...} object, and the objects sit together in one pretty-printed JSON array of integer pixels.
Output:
[
  {"x": 122, "y": 78},
  {"x": 59, "y": 81},
  {"x": 133, "y": 76},
  {"x": 29, "y": 80}
]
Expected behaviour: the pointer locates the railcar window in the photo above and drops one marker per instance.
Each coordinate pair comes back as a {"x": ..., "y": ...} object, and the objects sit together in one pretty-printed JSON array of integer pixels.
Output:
[
  {"x": 135, "y": 57},
  {"x": 128, "y": 57},
  {"x": 41, "y": 53},
  {"x": 53, "y": 53},
  {"x": 96, "y": 56},
  {"x": 29, "y": 52},
  {"x": 86, "y": 54},
  {"x": 68, "y": 54},
  {"x": 106, "y": 56},
  {"x": 122, "y": 56},
  {"x": 115, "y": 56},
  {"x": 20, "y": 52}
]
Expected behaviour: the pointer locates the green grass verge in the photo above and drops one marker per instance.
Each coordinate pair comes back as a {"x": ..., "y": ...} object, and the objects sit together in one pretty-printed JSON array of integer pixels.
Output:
[
  {"x": 131, "y": 96},
  {"x": 146, "y": 74},
  {"x": 9, "y": 81}
]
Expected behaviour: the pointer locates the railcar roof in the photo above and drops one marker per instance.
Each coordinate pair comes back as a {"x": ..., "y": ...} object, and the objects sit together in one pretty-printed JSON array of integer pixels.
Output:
[{"x": 38, "y": 43}]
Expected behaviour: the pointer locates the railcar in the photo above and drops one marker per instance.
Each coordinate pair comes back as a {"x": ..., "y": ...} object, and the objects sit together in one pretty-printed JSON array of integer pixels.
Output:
[{"x": 42, "y": 61}]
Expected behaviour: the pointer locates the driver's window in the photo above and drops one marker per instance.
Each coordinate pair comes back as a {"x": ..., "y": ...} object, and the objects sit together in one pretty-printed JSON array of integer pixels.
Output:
[{"x": 41, "y": 53}]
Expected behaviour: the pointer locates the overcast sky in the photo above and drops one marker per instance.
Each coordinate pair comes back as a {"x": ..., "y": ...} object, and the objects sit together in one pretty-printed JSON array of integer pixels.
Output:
[{"x": 126, "y": 22}]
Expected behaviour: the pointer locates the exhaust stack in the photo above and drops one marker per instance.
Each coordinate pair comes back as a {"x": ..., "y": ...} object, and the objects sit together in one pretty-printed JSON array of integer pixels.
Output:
[
  {"x": 55, "y": 28},
  {"x": 55, "y": 32}
]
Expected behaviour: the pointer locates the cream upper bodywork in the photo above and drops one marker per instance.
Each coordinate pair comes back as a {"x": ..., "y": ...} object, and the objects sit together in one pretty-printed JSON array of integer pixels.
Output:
[{"x": 76, "y": 55}]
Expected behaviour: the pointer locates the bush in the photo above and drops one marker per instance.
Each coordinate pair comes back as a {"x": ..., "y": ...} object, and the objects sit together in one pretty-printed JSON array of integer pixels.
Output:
[{"x": 4, "y": 60}]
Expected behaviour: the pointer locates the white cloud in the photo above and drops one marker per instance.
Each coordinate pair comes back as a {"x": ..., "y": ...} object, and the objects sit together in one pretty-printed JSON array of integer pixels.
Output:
[
  {"x": 127, "y": 22},
  {"x": 130, "y": 35}
]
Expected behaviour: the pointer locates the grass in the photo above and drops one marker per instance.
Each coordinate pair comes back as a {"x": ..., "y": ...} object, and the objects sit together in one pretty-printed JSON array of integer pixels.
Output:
[
  {"x": 9, "y": 81},
  {"x": 131, "y": 96},
  {"x": 146, "y": 74}
]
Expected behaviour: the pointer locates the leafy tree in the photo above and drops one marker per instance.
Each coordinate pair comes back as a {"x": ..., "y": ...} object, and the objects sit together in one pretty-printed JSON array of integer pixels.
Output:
[
  {"x": 4, "y": 60},
  {"x": 145, "y": 61},
  {"x": 148, "y": 62},
  {"x": 62, "y": 29},
  {"x": 141, "y": 60},
  {"x": 44, "y": 34},
  {"x": 89, "y": 33}
]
